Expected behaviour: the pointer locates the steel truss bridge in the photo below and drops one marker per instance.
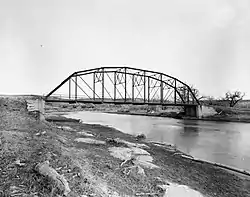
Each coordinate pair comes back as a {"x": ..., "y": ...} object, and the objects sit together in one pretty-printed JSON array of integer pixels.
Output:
[{"x": 123, "y": 85}]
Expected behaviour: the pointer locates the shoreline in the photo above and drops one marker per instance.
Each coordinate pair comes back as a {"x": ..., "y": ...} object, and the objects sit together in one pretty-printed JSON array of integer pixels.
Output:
[
  {"x": 237, "y": 171},
  {"x": 178, "y": 164},
  {"x": 211, "y": 119},
  {"x": 216, "y": 119}
]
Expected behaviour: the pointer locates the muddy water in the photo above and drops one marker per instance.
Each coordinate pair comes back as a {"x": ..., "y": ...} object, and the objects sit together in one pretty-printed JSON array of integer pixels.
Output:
[{"x": 220, "y": 142}]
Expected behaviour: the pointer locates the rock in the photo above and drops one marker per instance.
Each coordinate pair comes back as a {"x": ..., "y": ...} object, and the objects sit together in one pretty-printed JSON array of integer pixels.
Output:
[
  {"x": 135, "y": 171},
  {"x": 140, "y": 156},
  {"x": 40, "y": 133},
  {"x": 176, "y": 190},
  {"x": 128, "y": 161},
  {"x": 45, "y": 170},
  {"x": 66, "y": 128},
  {"x": 89, "y": 141},
  {"x": 18, "y": 162},
  {"x": 146, "y": 162},
  {"x": 85, "y": 134},
  {"x": 129, "y": 144},
  {"x": 141, "y": 171}
]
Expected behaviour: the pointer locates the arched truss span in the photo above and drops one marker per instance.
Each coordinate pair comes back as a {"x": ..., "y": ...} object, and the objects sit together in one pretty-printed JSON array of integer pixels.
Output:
[{"x": 123, "y": 85}]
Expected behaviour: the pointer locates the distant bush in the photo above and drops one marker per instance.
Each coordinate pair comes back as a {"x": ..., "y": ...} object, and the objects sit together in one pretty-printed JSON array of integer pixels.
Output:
[
  {"x": 65, "y": 106},
  {"x": 140, "y": 137},
  {"x": 225, "y": 110},
  {"x": 83, "y": 106}
]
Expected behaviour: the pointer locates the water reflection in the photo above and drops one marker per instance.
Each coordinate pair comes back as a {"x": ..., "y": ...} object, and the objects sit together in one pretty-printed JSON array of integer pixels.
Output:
[
  {"x": 226, "y": 143},
  {"x": 187, "y": 137}
]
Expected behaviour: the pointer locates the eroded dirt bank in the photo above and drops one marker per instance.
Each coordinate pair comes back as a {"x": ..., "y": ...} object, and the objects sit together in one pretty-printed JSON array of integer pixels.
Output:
[{"x": 98, "y": 161}]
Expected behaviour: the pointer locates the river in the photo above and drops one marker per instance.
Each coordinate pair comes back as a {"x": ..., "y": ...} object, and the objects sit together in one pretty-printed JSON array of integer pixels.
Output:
[{"x": 226, "y": 143}]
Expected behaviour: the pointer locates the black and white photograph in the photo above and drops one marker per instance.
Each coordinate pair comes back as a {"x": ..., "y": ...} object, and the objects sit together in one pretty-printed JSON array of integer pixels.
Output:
[{"x": 124, "y": 98}]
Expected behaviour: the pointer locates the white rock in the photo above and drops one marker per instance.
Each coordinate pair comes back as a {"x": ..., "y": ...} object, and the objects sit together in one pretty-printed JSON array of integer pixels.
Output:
[
  {"x": 145, "y": 161},
  {"x": 85, "y": 134},
  {"x": 141, "y": 171},
  {"x": 139, "y": 151},
  {"x": 18, "y": 162},
  {"x": 89, "y": 141},
  {"x": 66, "y": 128},
  {"x": 141, "y": 157},
  {"x": 121, "y": 152},
  {"x": 176, "y": 190},
  {"x": 130, "y": 144}
]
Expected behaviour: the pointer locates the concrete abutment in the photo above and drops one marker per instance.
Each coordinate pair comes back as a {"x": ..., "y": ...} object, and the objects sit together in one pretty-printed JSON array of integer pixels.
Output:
[{"x": 199, "y": 111}]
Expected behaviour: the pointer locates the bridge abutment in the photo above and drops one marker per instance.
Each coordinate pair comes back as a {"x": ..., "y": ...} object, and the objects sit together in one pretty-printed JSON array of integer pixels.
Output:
[
  {"x": 193, "y": 111},
  {"x": 199, "y": 111}
]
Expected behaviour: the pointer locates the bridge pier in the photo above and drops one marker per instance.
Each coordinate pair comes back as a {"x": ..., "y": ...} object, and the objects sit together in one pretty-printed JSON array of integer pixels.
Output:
[{"x": 193, "y": 111}]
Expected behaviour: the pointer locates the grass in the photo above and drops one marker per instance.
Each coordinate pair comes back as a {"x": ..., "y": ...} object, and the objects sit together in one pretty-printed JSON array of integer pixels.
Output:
[
  {"x": 203, "y": 177},
  {"x": 90, "y": 169}
]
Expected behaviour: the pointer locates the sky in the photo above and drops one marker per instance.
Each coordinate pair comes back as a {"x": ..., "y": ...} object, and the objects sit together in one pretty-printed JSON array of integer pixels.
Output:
[{"x": 205, "y": 43}]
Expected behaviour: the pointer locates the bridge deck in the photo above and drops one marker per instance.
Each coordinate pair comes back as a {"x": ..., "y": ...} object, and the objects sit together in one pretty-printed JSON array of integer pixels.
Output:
[{"x": 117, "y": 102}]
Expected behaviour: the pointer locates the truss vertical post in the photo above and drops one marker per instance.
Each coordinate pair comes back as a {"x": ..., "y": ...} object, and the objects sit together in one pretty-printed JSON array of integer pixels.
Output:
[
  {"x": 188, "y": 96},
  {"x": 133, "y": 87},
  {"x": 125, "y": 79},
  {"x": 144, "y": 81},
  {"x": 161, "y": 90},
  {"x": 175, "y": 91},
  {"x": 102, "y": 84},
  {"x": 148, "y": 90},
  {"x": 114, "y": 86},
  {"x": 184, "y": 94},
  {"x": 75, "y": 87},
  {"x": 94, "y": 85},
  {"x": 69, "y": 88}
]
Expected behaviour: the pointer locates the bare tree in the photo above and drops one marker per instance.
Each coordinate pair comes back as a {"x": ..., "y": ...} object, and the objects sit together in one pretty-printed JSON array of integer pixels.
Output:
[
  {"x": 196, "y": 93},
  {"x": 186, "y": 95},
  {"x": 234, "y": 97}
]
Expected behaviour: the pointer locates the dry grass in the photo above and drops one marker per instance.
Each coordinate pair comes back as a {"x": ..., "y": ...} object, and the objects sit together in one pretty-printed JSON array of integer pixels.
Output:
[
  {"x": 90, "y": 169},
  {"x": 18, "y": 131}
]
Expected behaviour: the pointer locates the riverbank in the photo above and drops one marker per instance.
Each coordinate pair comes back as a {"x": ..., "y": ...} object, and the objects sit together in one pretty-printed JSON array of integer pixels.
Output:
[
  {"x": 86, "y": 155},
  {"x": 211, "y": 118},
  {"x": 174, "y": 165},
  {"x": 224, "y": 114},
  {"x": 178, "y": 167}
]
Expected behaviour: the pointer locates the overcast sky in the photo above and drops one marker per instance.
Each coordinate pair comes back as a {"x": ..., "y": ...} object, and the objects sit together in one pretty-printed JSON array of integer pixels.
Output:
[{"x": 201, "y": 42}]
